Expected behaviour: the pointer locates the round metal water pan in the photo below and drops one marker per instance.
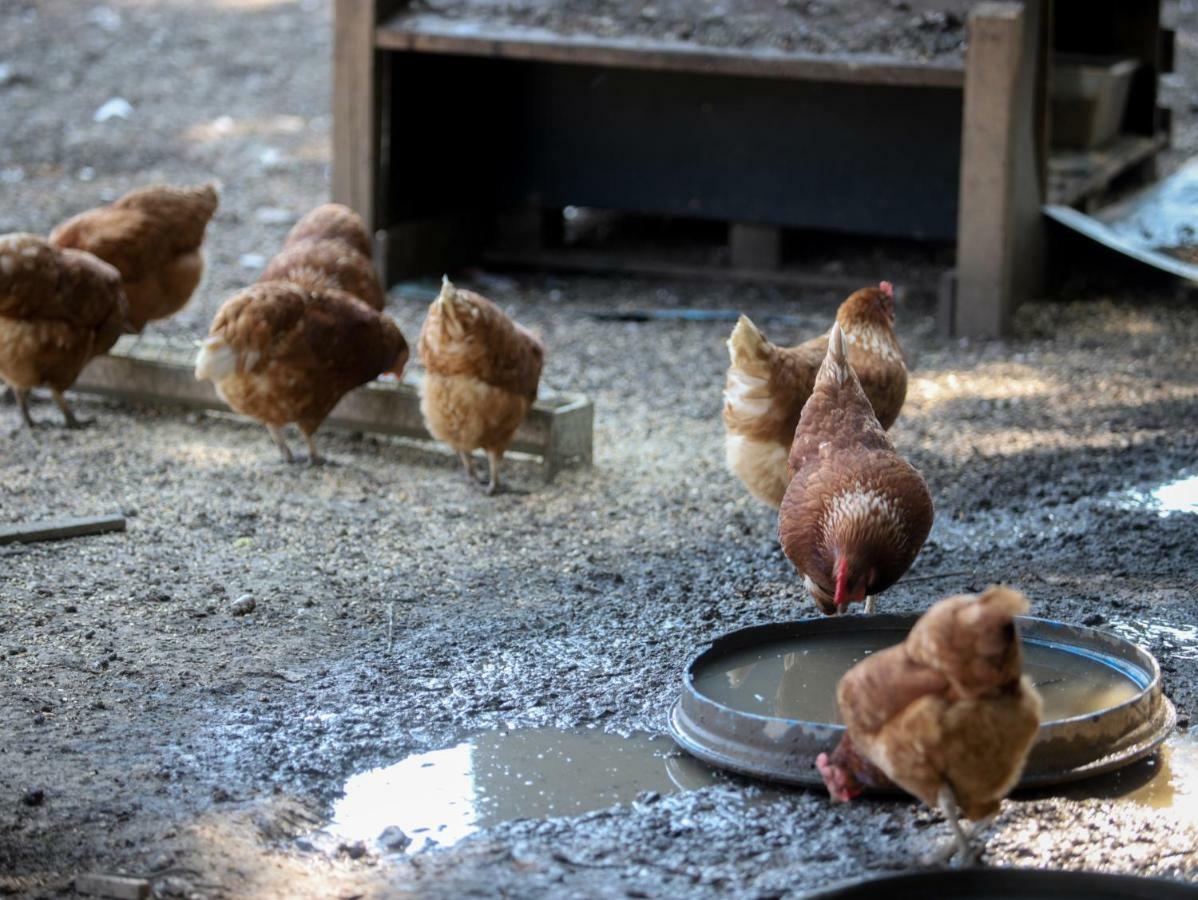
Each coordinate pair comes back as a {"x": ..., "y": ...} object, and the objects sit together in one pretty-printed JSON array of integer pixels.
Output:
[
  {"x": 761, "y": 701},
  {"x": 1002, "y": 884}
]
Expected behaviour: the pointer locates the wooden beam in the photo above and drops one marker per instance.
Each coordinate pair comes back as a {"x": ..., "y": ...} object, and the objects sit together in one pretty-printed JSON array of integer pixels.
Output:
[
  {"x": 118, "y": 887},
  {"x": 356, "y": 113},
  {"x": 432, "y": 33},
  {"x": 1000, "y": 254},
  {"x": 558, "y": 429},
  {"x": 59, "y": 529},
  {"x": 754, "y": 246}
]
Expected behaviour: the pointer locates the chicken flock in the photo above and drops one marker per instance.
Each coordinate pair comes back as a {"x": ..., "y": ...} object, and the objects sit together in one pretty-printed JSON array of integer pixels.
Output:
[{"x": 947, "y": 715}]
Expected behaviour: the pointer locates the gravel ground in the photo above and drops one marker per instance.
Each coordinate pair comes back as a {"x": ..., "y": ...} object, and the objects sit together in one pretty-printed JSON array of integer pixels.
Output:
[{"x": 168, "y": 735}]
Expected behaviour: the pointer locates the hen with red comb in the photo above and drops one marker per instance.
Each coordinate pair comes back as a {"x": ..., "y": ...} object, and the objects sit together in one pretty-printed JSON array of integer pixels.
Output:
[{"x": 855, "y": 513}]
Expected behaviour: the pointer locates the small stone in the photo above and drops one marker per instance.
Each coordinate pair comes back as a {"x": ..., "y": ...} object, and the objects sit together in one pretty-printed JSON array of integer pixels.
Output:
[
  {"x": 273, "y": 215},
  {"x": 34, "y": 797},
  {"x": 174, "y": 886},
  {"x": 243, "y": 605},
  {"x": 106, "y": 18},
  {"x": 1094, "y": 619},
  {"x": 393, "y": 838},
  {"x": 116, "y": 108}
]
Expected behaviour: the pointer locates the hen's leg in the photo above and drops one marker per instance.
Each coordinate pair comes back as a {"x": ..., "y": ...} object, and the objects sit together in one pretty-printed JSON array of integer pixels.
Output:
[
  {"x": 314, "y": 457},
  {"x": 496, "y": 457},
  {"x": 23, "y": 405},
  {"x": 869, "y": 606},
  {"x": 277, "y": 433},
  {"x": 961, "y": 839},
  {"x": 67, "y": 415},
  {"x": 468, "y": 465}
]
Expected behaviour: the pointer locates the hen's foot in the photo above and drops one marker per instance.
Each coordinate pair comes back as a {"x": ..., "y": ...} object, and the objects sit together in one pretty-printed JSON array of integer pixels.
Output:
[
  {"x": 468, "y": 465},
  {"x": 963, "y": 844},
  {"x": 314, "y": 457},
  {"x": 493, "y": 486},
  {"x": 23, "y": 403},
  {"x": 277, "y": 433},
  {"x": 68, "y": 416}
]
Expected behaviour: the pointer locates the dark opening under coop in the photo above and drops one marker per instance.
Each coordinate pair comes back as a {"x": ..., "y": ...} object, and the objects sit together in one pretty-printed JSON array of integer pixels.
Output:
[{"x": 461, "y": 136}]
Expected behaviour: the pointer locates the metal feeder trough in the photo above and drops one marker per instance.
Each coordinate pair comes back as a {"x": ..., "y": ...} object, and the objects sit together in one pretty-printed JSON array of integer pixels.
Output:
[
  {"x": 1000, "y": 884},
  {"x": 771, "y": 741}
]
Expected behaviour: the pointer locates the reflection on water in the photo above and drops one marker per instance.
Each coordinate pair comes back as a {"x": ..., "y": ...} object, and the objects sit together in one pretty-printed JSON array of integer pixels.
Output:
[
  {"x": 1167, "y": 782},
  {"x": 1180, "y": 496},
  {"x": 796, "y": 678},
  {"x": 497, "y": 776}
]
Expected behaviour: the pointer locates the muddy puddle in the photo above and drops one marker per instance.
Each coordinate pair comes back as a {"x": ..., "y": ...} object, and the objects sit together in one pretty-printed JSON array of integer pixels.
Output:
[
  {"x": 796, "y": 678},
  {"x": 443, "y": 796},
  {"x": 1167, "y": 781}
]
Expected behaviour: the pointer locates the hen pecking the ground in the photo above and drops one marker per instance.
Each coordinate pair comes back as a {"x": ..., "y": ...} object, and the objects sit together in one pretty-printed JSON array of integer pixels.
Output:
[
  {"x": 481, "y": 376},
  {"x": 947, "y": 715},
  {"x": 767, "y": 386},
  {"x": 288, "y": 348},
  {"x": 153, "y": 236},
  {"x": 855, "y": 513},
  {"x": 58, "y": 309}
]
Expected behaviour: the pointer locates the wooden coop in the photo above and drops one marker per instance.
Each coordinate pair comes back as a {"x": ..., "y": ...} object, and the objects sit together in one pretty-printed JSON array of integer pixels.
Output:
[{"x": 453, "y": 138}]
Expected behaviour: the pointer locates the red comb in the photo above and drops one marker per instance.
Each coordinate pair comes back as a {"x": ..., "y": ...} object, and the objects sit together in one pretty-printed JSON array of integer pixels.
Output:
[{"x": 887, "y": 288}]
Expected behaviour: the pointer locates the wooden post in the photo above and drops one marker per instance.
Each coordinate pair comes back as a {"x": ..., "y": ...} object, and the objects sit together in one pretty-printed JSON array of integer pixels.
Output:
[
  {"x": 356, "y": 109},
  {"x": 754, "y": 246},
  {"x": 1000, "y": 254}
]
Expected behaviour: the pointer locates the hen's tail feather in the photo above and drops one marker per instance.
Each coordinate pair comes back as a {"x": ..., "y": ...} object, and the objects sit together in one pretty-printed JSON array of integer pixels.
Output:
[
  {"x": 446, "y": 299},
  {"x": 836, "y": 347},
  {"x": 216, "y": 359},
  {"x": 748, "y": 348}
]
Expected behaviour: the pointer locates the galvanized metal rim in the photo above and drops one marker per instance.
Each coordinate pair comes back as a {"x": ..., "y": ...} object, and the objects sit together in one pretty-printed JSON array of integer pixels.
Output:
[{"x": 1162, "y": 721}]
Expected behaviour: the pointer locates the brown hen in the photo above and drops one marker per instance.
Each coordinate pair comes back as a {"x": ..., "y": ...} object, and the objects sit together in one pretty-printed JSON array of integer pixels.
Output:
[
  {"x": 282, "y": 353},
  {"x": 855, "y": 513},
  {"x": 329, "y": 248},
  {"x": 58, "y": 309},
  {"x": 767, "y": 386},
  {"x": 153, "y": 236},
  {"x": 947, "y": 715},
  {"x": 481, "y": 376}
]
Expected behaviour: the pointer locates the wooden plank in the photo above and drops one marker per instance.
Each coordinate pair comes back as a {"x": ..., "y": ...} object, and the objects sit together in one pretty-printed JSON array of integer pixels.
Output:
[
  {"x": 754, "y": 246},
  {"x": 1000, "y": 231},
  {"x": 429, "y": 33},
  {"x": 116, "y": 886},
  {"x": 59, "y": 529},
  {"x": 1075, "y": 176},
  {"x": 557, "y": 428}
]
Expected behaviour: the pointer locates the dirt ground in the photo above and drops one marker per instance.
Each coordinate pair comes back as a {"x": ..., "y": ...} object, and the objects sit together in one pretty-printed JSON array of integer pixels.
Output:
[{"x": 148, "y": 729}]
